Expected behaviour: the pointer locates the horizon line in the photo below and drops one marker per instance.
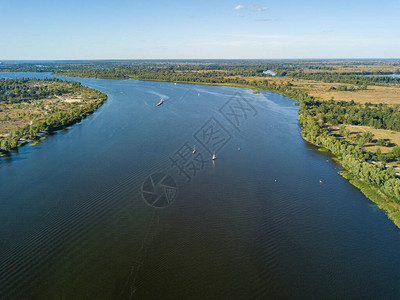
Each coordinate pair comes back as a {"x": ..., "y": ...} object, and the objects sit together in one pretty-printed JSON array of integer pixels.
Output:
[{"x": 188, "y": 59}]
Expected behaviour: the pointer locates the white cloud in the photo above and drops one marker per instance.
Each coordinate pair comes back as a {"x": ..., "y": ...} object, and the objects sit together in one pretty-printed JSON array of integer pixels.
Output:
[
  {"x": 258, "y": 36},
  {"x": 237, "y": 7},
  {"x": 241, "y": 15},
  {"x": 258, "y": 7}
]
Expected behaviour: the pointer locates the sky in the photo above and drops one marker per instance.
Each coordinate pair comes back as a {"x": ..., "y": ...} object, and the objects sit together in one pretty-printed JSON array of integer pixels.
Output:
[{"x": 219, "y": 29}]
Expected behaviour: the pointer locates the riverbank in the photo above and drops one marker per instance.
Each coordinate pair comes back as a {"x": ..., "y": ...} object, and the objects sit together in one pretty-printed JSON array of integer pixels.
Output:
[
  {"x": 370, "y": 191},
  {"x": 375, "y": 195},
  {"x": 31, "y": 109},
  {"x": 43, "y": 135}
]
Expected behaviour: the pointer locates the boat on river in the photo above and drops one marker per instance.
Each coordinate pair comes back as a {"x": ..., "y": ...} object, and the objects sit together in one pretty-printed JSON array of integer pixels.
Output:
[{"x": 161, "y": 102}]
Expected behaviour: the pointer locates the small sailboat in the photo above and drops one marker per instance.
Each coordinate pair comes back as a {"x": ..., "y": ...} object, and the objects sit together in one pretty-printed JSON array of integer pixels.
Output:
[
  {"x": 194, "y": 149},
  {"x": 214, "y": 157}
]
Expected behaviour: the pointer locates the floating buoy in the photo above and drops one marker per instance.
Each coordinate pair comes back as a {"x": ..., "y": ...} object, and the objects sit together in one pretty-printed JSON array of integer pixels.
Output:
[{"x": 320, "y": 181}]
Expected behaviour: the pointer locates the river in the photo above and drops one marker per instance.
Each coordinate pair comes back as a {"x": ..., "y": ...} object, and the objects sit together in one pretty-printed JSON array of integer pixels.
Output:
[{"x": 119, "y": 207}]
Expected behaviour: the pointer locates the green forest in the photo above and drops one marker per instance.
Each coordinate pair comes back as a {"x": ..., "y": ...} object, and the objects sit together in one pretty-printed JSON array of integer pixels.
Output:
[{"x": 32, "y": 106}]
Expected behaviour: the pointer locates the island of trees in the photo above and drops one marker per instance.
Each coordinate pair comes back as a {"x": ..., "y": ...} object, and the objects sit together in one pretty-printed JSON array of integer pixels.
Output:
[{"x": 30, "y": 108}]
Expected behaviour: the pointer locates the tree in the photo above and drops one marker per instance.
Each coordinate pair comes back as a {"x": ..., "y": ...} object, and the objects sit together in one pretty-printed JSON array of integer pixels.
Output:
[
  {"x": 5, "y": 145},
  {"x": 368, "y": 136},
  {"x": 381, "y": 142},
  {"x": 396, "y": 152},
  {"x": 342, "y": 129},
  {"x": 378, "y": 153}
]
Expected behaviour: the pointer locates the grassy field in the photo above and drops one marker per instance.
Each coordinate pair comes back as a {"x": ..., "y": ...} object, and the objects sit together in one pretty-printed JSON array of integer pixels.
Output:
[
  {"x": 393, "y": 137},
  {"x": 374, "y": 93},
  {"x": 13, "y": 116},
  {"x": 388, "y": 135},
  {"x": 26, "y": 111},
  {"x": 346, "y": 68}
]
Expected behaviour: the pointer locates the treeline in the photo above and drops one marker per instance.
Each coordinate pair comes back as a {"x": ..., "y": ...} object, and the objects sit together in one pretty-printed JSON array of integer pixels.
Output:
[
  {"x": 130, "y": 69},
  {"x": 25, "y": 67},
  {"x": 54, "y": 121},
  {"x": 25, "y": 90},
  {"x": 166, "y": 72},
  {"x": 212, "y": 73},
  {"x": 341, "y": 78},
  {"x": 379, "y": 116},
  {"x": 345, "y": 88},
  {"x": 353, "y": 158},
  {"x": 313, "y": 116},
  {"x": 59, "y": 116},
  {"x": 191, "y": 70}
]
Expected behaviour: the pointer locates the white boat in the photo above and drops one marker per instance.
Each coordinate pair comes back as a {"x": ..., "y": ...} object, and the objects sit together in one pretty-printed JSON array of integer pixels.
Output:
[
  {"x": 214, "y": 157},
  {"x": 194, "y": 149}
]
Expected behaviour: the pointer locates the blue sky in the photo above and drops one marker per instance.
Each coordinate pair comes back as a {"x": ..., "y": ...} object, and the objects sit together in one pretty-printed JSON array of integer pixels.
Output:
[{"x": 122, "y": 29}]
